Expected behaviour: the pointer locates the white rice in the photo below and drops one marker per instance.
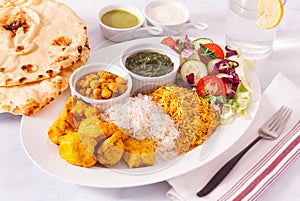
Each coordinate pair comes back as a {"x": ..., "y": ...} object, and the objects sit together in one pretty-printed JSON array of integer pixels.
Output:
[{"x": 145, "y": 120}]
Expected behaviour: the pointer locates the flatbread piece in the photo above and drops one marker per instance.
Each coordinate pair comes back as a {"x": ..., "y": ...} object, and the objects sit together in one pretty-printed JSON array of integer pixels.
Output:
[{"x": 38, "y": 39}]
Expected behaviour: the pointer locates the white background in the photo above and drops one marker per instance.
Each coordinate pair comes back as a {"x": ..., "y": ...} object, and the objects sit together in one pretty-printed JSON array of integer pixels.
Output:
[{"x": 21, "y": 179}]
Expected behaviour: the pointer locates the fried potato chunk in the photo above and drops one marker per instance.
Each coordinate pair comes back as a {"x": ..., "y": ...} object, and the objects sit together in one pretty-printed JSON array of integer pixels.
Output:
[
  {"x": 84, "y": 139},
  {"x": 94, "y": 127},
  {"x": 81, "y": 110},
  {"x": 91, "y": 127},
  {"x": 139, "y": 153},
  {"x": 110, "y": 152},
  {"x": 73, "y": 151},
  {"x": 64, "y": 123}
]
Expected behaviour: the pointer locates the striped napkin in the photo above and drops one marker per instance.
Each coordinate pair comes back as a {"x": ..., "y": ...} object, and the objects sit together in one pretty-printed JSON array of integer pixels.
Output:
[{"x": 262, "y": 165}]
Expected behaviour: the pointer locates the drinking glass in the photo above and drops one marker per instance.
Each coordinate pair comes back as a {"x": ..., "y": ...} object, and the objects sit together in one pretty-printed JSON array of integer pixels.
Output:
[{"x": 243, "y": 33}]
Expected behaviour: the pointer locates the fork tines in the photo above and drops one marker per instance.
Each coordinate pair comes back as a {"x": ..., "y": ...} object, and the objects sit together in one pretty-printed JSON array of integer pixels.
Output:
[{"x": 275, "y": 125}]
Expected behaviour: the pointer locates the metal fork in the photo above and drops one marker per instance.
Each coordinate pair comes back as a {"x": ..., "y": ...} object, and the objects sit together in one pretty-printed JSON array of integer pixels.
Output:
[{"x": 269, "y": 130}]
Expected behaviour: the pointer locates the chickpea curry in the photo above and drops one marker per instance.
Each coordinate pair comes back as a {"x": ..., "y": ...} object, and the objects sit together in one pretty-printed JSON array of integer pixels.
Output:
[{"x": 101, "y": 85}]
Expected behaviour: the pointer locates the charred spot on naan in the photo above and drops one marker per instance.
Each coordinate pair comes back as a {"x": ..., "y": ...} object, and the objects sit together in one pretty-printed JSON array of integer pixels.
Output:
[
  {"x": 79, "y": 49},
  {"x": 61, "y": 41},
  {"x": 21, "y": 80},
  {"x": 16, "y": 23},
  {"x": 40, "y": 77},
  {"x": 20, "y": 48},
  {"x": 62, "y": 58},
  {"x": 28, "y": 68},
  {"x": 49, "y": 100},
  {"x": 8, "y": 81},
  {"x": 83, "y": 57},
  {"x": 32, "y": 104},
  {"x": 87, "y": 45},
  {"x": 50, "y": 73},
  {"x": 64, "y": 42},
  {"x": 5, "y": 108}
]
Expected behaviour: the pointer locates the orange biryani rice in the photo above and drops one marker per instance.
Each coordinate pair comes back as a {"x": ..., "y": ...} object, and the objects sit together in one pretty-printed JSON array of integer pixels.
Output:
[{"x": 195, "y": 117}]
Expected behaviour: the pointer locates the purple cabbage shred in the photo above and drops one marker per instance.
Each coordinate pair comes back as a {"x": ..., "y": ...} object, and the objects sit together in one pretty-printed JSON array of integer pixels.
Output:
[
  {"x": 230, "y": 52},
  {"x": 231, "y": 79},
  {"x": 190, "y": 78}
]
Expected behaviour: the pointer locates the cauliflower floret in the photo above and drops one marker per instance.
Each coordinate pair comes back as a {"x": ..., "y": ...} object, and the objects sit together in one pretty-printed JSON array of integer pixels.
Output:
[
  {"x": 64, "y": 123},
  {"x": 139, "y": 153},
  {"x": 111, "y": 150},
  {"x": 75, "y": 152}
]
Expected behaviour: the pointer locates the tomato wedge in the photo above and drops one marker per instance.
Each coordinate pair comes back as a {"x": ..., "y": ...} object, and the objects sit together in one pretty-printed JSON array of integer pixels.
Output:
[
  {"x": 169, "y": 41},
  {"x": 211, "y": 51},
  {"x": 212, "y": 85},
  {"x": 216, "y": 49}
]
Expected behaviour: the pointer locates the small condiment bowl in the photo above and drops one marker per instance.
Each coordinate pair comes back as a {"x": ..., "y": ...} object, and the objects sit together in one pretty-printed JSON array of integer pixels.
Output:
[
  {"x": 142, "y": 83},
  {"x": 112, "y": 33},
  {"x": 93, "y": 68},
  {"x": 170, "y": 15}
]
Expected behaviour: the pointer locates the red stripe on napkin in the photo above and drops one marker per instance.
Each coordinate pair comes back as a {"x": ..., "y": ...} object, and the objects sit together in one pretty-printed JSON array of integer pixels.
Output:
[
  {"x": 267, "y": 171},
  {"x": 274, "y": 177},
  {"x": 270, "y": 168},
  {"x": 265, "y": 159}
]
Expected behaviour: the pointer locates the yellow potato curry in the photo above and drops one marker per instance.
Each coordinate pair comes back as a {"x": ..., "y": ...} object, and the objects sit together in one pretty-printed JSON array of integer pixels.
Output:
[{"x": 84, "y": 140}]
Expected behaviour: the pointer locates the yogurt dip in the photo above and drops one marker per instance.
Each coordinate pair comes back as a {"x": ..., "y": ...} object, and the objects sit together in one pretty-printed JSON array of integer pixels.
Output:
[{"x": 166, "y": 13}]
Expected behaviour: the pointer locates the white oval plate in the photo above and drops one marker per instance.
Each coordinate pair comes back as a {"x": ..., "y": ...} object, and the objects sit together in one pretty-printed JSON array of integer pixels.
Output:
[{"x": 45, "y": 154}]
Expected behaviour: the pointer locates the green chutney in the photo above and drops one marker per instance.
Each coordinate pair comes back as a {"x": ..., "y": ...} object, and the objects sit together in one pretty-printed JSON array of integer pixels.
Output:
[{"x": 120, "y": 19}]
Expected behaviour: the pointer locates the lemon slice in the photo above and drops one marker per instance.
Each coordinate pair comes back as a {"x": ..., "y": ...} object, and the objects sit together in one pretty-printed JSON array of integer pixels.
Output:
[{"x": 269, "y": 13}]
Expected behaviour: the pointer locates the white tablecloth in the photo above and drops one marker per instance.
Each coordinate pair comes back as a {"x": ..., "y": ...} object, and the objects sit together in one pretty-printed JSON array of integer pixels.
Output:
[{"x": 21, "y": 179}]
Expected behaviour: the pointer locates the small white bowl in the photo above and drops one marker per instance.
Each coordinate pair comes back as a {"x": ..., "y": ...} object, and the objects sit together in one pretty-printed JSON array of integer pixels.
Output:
[
  {"x": 112, "y": 33},
  {"x": 170, "y": 15},
  {"x": 167, "y": 14},
  {"x": 95, "y": 67},
  {"x": 142, "y": 83}
]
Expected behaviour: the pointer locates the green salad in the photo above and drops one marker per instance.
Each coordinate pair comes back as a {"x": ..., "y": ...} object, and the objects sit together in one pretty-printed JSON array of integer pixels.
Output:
[{"x": 216, "y": 73}]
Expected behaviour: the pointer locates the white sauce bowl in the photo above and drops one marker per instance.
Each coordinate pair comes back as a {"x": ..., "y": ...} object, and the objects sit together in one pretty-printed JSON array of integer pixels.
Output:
[
  {"x": 167, "y": 14},
  {"x": 170, "y": 15}
]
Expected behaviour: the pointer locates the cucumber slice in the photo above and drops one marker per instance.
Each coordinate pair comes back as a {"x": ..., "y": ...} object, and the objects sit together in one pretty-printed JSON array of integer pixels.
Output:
[
  {"x": 211, "y": 64},
  {"x": 199, "y": 41},
  {"x": 193, "y": 66},
  {"x": 194, "y": 56}
]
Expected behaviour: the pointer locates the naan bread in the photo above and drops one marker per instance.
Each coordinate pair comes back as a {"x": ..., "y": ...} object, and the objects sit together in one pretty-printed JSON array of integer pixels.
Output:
[
  {"x": 38, "y": 39},
  {"x": 29, "y": 98},
  {"x": 6, "y": 3},
  {"x": 41, "y": 43}
]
